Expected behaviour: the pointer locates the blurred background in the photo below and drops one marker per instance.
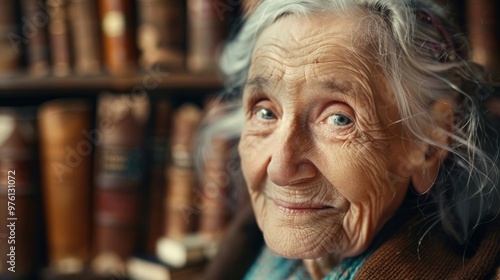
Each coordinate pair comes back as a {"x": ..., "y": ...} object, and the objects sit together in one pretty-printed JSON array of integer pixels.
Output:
[{"x": 100, "y": 101}]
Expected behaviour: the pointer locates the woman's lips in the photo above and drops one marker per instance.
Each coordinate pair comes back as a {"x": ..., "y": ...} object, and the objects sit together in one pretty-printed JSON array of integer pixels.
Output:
[{"x": 299, "y": 208}]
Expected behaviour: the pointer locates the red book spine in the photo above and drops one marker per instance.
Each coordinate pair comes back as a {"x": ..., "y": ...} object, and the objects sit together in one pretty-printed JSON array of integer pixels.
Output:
[
  {"x": 118, "y": 178},
  {"x": 19, "y": 195}
]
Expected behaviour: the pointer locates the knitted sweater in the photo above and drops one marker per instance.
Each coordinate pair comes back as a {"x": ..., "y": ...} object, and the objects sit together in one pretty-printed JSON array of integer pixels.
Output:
[{"x": 437, "y": 256}]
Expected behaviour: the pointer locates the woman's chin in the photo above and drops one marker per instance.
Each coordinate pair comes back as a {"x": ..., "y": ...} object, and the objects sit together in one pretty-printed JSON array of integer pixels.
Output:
[{"x": 283, "y": 243}]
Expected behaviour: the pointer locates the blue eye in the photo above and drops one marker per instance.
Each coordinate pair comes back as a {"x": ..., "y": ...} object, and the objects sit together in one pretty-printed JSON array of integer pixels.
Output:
[
  {"x": 339, "y": 120},
  {"x": 264, "y": 113}
]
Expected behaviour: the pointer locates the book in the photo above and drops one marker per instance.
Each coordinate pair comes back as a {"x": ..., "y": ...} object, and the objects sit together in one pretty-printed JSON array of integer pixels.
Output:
[
  {"x": 147, "y": 268},
  {"x": 59, "y": 38},
  {"x": 215, "y": 188},
  {"x": 161, "y": 33},
  {"x": 151, "y": 268},
  {"x": 159, "y": 156},
  {"x": 35, "y": 27},
  {"x": 181, "y": 196},
  {"x": 118, "y": 178},
  {"x": 19, "y": 193},
  {"x": 85, "y": 38},
  {"x": 119, "y": 52},
  {"x": 206, "y": 31},
  {"x": 483, "y": 33},
  {"x": 189, "y": 250},
  {"x": 11, "y": 39},
  {"x": 65, "y": 163}
]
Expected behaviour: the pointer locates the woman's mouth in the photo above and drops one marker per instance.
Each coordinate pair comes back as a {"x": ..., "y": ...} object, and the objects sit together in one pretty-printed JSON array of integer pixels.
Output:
[{"x": 299, "y": 208}]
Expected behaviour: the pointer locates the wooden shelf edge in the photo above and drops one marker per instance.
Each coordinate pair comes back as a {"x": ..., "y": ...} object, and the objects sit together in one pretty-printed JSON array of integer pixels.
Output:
[{"x": 148, "y": 81}]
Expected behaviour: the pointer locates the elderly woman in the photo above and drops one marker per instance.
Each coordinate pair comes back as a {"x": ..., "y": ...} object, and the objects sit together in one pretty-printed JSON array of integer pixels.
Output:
[{"x": 362, "y": 143}]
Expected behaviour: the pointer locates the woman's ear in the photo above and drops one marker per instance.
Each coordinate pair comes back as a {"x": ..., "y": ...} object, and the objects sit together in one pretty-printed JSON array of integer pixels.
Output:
[{"x": 432, "y": 156}]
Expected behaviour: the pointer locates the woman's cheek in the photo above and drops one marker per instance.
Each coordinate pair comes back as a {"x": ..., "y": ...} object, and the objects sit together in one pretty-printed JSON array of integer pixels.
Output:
[{"x": 253, "y": 154}]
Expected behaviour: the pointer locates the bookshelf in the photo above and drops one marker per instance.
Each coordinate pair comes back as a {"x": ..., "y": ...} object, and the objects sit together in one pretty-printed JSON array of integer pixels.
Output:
[{"x": 74, "y": 52}]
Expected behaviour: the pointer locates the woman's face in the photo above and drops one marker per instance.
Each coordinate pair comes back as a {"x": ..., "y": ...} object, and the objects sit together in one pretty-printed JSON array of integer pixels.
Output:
[{"x": 324, "y": 159}]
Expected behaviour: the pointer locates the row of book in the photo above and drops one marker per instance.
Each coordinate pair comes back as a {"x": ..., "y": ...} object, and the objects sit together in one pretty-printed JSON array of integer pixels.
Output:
[
  {"x": 88, "y": 37},
  {"x": 123, "y": 187}
]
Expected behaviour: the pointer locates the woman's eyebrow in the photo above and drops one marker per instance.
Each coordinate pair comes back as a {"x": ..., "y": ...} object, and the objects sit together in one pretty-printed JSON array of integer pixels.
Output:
[
  {"x": 257, "y": 83},
  {"x": 335, "y": 85}
]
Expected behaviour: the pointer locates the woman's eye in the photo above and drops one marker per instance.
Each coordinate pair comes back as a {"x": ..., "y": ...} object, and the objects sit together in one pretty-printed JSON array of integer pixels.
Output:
[
  {"x": 339, "y": 120},
  {"x": 264, "y": 113}
]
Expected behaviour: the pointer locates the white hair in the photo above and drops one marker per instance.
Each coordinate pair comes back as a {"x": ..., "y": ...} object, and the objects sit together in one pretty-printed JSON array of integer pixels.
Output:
[{"x": 423, "y": 60}]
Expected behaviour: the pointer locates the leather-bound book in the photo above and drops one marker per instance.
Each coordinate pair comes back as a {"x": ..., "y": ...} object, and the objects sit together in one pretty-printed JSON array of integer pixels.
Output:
[
  {"x": 484, "y": 37},
  {"x": 206, "y": 31},
  {"x": 158, "y": 158},
  {"x": 119, "y": 50},
  {"x": 35, "y": 26},
  {"x": 121, "y": 121},
  {"x": 215, "y": 185},
  {"x": 59, "y": 38},
  {"x": 161, "y": 33},
  {"x": 85, "y": 36},
  {"x": 19, "y": 194},
  {"x": 66, "y": 152},
  {"x": 9, "y": 31},
  {"x": 181, "y": 195}
]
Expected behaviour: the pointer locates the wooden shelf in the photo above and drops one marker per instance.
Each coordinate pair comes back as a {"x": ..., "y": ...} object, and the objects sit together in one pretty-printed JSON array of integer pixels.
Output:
[{"x": 148, "y": 81}]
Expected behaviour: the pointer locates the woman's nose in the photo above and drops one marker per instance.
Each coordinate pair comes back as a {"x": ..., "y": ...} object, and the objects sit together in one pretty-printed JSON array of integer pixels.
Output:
[{"x": 290, "y": 159}]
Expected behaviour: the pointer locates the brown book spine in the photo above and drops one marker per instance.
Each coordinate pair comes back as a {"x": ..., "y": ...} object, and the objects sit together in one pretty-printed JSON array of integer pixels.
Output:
[
  {"x": 215, "y": 186},
  {"x": 205, "y": 34},
  {"x": 161, "y": 32},
  {"x": 11, "y": 40},
  {"x": 65, "y": 167},
  {"x": 59, "y": 38},
  {"x": 484, "y": 37},
  {"x": 159, "y": 156},
  {"x": 118, "y": 176},
  {"x": 18, "y": 195},
  {"x": 181, "y": 214},
  {"x": 118, "y": 40},
  {"x": 84, "y": 27},
  {"x": 34, "y": 27}
]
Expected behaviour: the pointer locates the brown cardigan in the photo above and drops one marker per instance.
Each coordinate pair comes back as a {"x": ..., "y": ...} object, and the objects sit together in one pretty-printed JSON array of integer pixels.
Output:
[{"x": 438, "y": 257}]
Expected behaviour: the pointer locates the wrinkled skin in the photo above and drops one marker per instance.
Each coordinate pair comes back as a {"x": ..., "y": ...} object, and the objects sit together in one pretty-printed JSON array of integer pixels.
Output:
[{"x": 321, "y": 145}]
